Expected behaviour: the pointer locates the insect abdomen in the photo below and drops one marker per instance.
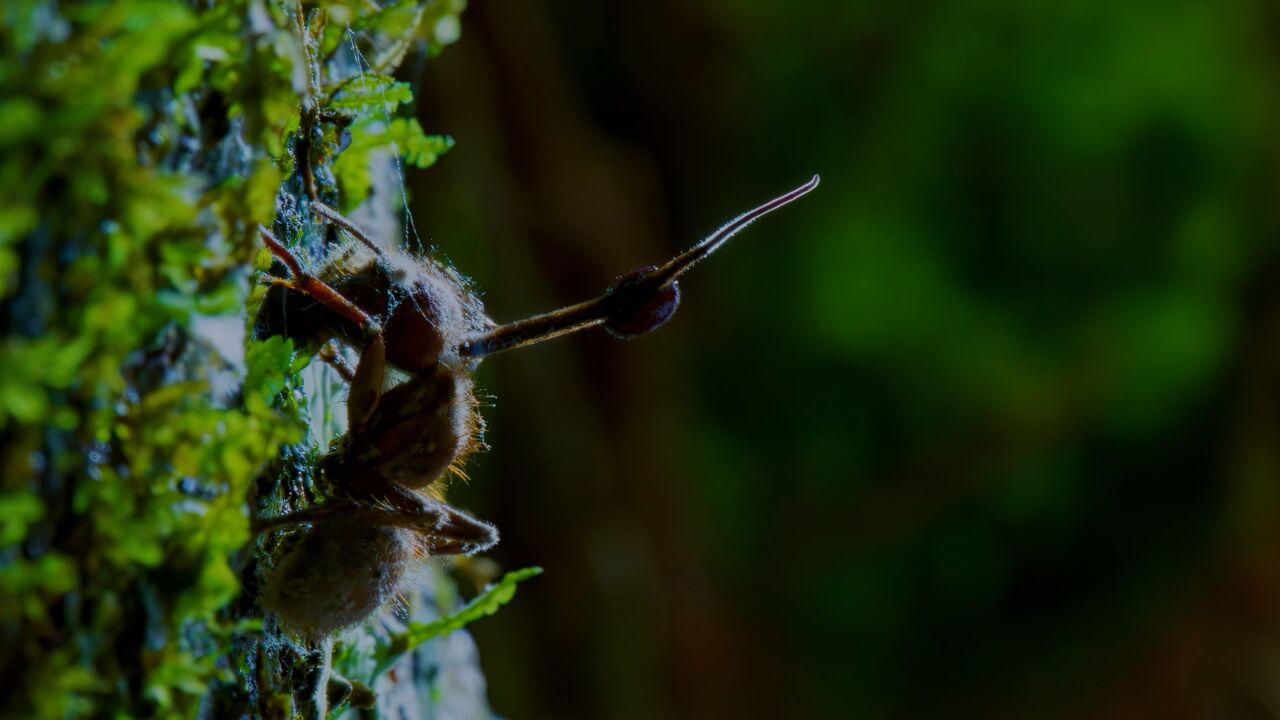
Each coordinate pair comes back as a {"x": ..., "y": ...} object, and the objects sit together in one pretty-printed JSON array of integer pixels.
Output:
[{"x": 338, "y": 576}]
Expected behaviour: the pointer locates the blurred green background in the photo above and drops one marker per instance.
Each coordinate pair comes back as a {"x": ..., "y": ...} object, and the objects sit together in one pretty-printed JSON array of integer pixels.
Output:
[{"x": 987, "y": 426}]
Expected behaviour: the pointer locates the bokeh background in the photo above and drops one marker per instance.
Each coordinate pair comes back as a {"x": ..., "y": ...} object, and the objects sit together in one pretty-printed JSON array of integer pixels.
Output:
[{"x": 988, "y": 426}]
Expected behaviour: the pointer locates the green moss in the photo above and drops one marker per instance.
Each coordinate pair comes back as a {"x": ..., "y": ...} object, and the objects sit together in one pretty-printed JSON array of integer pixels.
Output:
[{"x": 141, "y": 141}]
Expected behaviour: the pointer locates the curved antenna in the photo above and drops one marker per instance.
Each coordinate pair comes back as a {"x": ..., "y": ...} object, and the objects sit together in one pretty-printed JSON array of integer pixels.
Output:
[{"x": 625, "y": 298}]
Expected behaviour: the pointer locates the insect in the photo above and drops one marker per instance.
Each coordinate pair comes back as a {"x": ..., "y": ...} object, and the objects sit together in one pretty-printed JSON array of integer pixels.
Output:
[{"x": 414, "y": 314}]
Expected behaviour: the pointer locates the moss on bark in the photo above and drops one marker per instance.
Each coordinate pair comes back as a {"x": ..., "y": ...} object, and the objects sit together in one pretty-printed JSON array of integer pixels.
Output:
[{"x": 141, "y": 141}]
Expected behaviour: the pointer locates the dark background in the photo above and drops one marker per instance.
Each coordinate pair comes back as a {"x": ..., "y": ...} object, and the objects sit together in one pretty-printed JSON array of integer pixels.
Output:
[{"x": 987, "y": 426}]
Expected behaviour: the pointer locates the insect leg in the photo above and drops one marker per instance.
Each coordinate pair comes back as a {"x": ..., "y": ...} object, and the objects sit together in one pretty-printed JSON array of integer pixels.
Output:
[
  {"x": 330, "y": 356},
  {"x": 307, "y": 283},
  {"x": 460, "y": 534},
  {"x": 366, "y": 382},
  {"x": 446, "y": 530},
  {"x": 341, "y": 221}
]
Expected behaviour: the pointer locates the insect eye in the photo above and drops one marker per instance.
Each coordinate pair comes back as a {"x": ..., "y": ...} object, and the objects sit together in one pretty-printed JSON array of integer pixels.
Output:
[{"x": 641, "y": 308}]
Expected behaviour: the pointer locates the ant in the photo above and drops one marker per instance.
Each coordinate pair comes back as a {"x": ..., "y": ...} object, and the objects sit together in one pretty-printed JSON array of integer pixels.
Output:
[
  {"x": 416, "y": 315},
  {"x": 384, "y": 509}
]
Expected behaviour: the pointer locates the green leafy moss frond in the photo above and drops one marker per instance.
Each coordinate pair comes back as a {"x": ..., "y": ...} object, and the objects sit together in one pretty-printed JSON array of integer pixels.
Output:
[{"x": 141, "y": 142}]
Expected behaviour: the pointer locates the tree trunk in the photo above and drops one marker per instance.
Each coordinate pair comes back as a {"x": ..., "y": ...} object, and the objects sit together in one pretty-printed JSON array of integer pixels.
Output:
[{"x": 141, "y": 425}]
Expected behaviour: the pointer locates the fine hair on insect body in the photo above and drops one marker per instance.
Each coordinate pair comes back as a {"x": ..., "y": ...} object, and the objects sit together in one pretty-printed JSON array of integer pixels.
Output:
[{"x": 382, "y": 511}]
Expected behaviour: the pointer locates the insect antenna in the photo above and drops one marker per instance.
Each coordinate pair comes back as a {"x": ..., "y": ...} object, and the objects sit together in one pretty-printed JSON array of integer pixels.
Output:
[{"x": 637, "y": 303}]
